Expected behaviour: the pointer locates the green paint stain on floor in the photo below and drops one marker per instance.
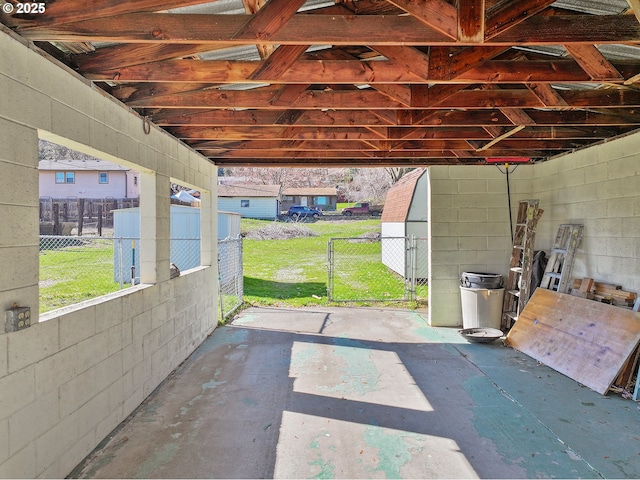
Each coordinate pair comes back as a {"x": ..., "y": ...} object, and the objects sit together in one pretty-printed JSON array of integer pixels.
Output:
[
  {"x": 151, "y": 409},
  {"x": 394, "y": 449},
  {"x": 327, "y": 470},
  {"x": 359, "y": 374},
  {"x": 102, "y": 461},
  {"x": 159, "y": 459}
]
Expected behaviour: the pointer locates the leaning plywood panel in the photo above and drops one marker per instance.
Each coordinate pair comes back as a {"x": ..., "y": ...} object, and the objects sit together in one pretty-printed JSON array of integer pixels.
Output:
[{"x": 588, "y": 341}]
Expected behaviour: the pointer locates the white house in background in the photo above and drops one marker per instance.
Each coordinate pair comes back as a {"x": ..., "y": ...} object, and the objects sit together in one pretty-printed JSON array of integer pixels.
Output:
[
  {"x": 405, "y": 215},
  {"x": 87, "y": 179},
  {"x": 250, "y": 201}
]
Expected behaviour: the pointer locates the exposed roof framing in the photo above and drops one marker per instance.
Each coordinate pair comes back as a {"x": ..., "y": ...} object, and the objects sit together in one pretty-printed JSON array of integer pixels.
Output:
[{"x": 359, "y": 83}]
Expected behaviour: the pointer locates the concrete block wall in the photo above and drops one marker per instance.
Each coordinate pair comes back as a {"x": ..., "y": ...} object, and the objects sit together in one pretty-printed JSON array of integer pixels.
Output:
[
  {"x": 600, "y": 188},
  {"x": 77, "y": 372},
  {"x": 70, "y": 380},
  {"x": 469, "y": 229}
]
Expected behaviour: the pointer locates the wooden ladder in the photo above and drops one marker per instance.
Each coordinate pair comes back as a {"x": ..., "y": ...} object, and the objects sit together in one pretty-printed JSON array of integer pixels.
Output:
[
  {"x": 558, "y": 272},
  {"x": 517, "y": 288}
]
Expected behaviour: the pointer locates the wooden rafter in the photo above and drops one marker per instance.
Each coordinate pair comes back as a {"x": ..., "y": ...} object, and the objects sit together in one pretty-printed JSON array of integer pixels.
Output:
[
  {"x": 281, "y": 60},
  {"x": 267, "y": 19},
  {"x": 350, "y": 72},
  {"x": 593, "y": 62},
  {"x": 359, "y": 99},
  {"x": 366, "y": 82},
  {"x": 329, "y": 29},
  {"x": 471, "y": 21},
  {"x": 437, "y": 14}
]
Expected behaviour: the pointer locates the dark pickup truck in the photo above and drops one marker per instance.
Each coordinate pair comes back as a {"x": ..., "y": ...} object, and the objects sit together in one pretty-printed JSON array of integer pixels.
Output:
[{"x": 362, "y": 208}]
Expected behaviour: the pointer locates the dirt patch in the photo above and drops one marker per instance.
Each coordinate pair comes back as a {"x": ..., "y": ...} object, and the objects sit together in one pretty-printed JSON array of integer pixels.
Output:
[{"x": 280, "y": 231}]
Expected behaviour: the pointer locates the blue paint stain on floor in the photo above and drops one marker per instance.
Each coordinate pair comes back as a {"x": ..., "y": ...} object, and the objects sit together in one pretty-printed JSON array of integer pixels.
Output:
[{"x": 513, "y": 430}]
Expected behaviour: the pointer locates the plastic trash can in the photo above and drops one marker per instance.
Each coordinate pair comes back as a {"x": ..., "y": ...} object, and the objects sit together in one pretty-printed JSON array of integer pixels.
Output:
[{"x": 481, "y": 307}]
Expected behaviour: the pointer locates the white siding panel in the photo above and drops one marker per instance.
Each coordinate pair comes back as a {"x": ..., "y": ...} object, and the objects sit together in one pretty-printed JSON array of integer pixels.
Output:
[
  {"x": 393, "y": 247},
  {"x": 259, "y": 207},
  {"x": 419, "y": 209}
]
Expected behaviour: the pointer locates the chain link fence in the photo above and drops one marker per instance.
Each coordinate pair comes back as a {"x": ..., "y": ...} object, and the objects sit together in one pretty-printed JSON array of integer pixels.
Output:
[
  {"x": 74, "y": 269},
  {"x": 377, "y": 269},
  {"x": 231, "y": 279}
]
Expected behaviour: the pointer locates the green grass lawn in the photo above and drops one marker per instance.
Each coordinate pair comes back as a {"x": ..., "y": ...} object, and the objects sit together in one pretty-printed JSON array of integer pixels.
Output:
[
  {"x": 284, "y": 272},
  {"x": 72, "y": 274},
  {"x": 293, "y": 272}
]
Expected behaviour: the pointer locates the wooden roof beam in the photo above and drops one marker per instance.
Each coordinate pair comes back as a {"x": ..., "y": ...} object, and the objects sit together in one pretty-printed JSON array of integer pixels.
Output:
[
  {"x": 278, "y": 62},
  {"x": 199, "y": 124},
  {"x": 298, "y": 97},
  {"x": 471, "y": 21},
  {"x": 437, "y": 14},
  {"x": 341, "y": 153},
  {"x": 593, "y": 62},
  {"x": 330, "y": 30},
  {"x": 126, "y": 55},
  {"x": 70, "y": 11},
  {"x": 409, "y": 58},
  {"x": 288, "y": 94},
  {"x": 547, "y": 95},
  {"x": 510, "y": 132},
  {"x": 268, "y": 19},
  {"x": 507, "y": 14},
  {"x": 351, "y": 72}
]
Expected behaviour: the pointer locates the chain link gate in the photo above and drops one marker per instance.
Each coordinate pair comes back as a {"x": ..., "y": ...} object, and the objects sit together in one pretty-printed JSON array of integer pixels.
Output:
[
  {"x": 377, "y": 269},
  {"x": 230, "y": 273}
]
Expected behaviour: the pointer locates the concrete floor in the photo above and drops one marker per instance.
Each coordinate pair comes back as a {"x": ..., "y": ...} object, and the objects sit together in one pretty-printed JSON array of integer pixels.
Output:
[{"x": 366, "y": 393}]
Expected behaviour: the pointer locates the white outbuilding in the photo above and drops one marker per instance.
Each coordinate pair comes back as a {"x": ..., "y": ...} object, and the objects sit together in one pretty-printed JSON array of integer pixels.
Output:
[{"x": 404, "y": 223}]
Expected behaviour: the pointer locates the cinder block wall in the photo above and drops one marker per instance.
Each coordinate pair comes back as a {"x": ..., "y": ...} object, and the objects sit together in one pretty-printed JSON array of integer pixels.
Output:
[
  {"x": 469, "y": 229},
  {"x": 71, "y": 377},
  {"x": 600, "y": 188}
]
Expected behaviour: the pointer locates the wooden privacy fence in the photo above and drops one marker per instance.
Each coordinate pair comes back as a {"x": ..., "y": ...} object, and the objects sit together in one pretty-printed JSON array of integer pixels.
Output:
[{"x": 59, "y": 216}]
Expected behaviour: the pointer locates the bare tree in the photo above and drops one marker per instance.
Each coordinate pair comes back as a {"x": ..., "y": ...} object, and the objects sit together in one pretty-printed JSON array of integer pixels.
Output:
[
  {"x": 289, "y": 177},
  {"x": 52, "y": 151},
  {"x": 396, "y": 173},
  {"x": 367, "y": 184}
]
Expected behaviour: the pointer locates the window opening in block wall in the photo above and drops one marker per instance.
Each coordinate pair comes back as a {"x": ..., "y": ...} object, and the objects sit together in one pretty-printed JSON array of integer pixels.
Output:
[
  {"x": 185, "y": 232},
  {"x": 89, "y": 230}
]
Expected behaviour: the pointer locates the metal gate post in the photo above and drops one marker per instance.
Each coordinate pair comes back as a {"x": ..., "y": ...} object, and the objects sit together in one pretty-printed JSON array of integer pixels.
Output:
[
  {"x": 413, "y": 252},
  {"x": 330, "y": 270}
]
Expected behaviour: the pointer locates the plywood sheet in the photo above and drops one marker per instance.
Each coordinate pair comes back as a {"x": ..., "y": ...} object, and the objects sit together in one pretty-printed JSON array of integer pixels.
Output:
[{"x": 587, "y": 341}]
